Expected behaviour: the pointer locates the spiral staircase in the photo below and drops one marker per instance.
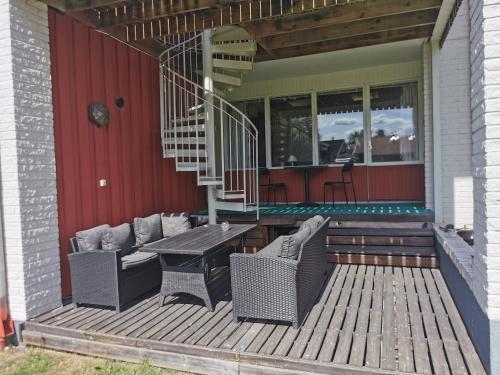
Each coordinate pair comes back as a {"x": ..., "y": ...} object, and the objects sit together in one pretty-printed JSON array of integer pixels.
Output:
[{"x": 201, "y": 130}]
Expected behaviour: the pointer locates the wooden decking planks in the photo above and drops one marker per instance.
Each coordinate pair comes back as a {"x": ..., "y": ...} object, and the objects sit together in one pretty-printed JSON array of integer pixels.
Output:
[{"x": 381, "y": 319}]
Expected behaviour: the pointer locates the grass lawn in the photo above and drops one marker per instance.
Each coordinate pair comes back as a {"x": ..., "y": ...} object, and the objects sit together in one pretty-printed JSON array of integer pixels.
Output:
[{"x": 21, "y": 361}]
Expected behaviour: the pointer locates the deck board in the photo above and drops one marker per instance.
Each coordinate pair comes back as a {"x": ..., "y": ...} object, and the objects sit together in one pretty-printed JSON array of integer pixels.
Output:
[{"x": 377, "y": 319}]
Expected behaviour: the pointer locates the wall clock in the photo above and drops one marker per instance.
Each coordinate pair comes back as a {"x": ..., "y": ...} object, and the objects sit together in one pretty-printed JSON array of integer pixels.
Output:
[{"x": 98, "y": 114}]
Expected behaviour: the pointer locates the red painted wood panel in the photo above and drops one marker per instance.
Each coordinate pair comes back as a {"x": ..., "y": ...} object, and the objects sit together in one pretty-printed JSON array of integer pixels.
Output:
[
  {"x": 374, "y": 183},
  {"x": 86, "y": 67}
]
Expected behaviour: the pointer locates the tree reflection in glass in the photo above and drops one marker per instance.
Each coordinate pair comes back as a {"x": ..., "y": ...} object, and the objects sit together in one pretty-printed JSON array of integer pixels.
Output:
[{"x": 340, "y": 126}]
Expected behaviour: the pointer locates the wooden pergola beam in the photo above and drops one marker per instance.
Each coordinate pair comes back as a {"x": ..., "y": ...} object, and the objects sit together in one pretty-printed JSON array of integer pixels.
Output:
[
  {"x": 350, "y": 29},
  {"x": 230, "y": 14},
  {"x": 71, "y": 6},
  {"x": 79, "y": 5},
  {"x": 150, "y": 10},
  {"x": 331, "y": 15},
  {"x": 354, "y": 42},
  {"x": 251, "y": 30},
  {"x": 149, "y": 46}
]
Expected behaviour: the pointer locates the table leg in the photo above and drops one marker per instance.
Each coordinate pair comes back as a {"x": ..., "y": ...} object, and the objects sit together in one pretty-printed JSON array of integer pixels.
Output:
[
  {"x": 241, "y": 245},
  {"x": 307, "y": 202},
  {"x": 306, "y": 184},
  {"x": 205, "y": 267}
]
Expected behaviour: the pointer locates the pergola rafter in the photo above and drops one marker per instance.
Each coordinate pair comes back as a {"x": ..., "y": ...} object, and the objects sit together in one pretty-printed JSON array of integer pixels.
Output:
[{"x": 282, "y": 28}]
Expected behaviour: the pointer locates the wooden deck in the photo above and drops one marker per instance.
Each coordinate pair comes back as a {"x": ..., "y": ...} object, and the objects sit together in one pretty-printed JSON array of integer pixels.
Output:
[{"x": 368, "y": 319}]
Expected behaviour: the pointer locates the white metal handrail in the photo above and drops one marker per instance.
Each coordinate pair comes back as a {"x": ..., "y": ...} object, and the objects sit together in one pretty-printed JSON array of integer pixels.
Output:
[{"x": 202, "y": 130}]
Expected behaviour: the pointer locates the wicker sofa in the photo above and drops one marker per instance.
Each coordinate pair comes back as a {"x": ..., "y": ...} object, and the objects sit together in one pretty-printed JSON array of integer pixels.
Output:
[
  {"x": 268, "y": 286},
  {"x": 113, "y": 277}
]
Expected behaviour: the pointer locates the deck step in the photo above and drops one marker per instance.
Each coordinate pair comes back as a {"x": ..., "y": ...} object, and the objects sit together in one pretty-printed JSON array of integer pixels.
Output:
[
  {"x": 199, "y": 118},
  {"x": 427, "y": 251},
  {"x": 244, "y": 48},
  {"x": 210, "y": 181},
  {"x": 234, "y": 206},
  {"x": 401, "y": 232},
  {"x": 187, "y": 129},
  {"x": 191, "y": 153},
  {"x": 232, "y": 64},
  {"x": 221, "y": 194},
  {"x": 196, "y": 109},
  {"x": 384, "y": 260},
  {"x": 187, "y": 141},
  {"x": 190, "y": 166},
  {"x": 226, "y": 79}
]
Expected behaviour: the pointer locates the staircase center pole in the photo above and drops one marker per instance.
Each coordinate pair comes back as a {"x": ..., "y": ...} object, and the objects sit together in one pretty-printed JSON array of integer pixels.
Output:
[{"x": 208, "y": 85}]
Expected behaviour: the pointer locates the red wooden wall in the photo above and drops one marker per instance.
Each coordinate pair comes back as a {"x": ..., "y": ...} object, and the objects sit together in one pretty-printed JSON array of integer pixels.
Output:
[
  {"x": 380, "y": 183},
  {"x": 88, "y": 67}
]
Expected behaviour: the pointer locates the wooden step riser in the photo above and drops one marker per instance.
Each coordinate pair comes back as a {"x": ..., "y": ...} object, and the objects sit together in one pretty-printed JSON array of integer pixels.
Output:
[
  {"x": 384, "y": 260},
  {"x": 380, "y": 241},
  {"x": 387, "y": 232},
  {"x": 383, "y": 250}
]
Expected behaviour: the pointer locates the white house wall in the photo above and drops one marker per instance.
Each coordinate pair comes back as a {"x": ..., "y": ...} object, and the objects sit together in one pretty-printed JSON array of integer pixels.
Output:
[
  {"x": 344, "y": 79},
  {"x": 27, "y": 160},
  {"x": 455, "y": 124},
  {"x": 485, "y": 104}
]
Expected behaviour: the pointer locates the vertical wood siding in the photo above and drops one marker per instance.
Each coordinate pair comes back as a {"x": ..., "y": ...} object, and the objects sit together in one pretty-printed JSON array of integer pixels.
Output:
[
  {"x": 88, "y": 67},
  {"x": 373, "y": 183}
]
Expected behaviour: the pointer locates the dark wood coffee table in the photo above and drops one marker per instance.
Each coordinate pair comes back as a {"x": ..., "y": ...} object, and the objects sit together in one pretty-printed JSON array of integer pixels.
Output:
[{"x": 186, "y": 258}]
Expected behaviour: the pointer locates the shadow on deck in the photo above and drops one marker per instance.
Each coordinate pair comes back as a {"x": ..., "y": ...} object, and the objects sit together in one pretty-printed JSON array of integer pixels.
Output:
[{"x": 368, "y": 319}]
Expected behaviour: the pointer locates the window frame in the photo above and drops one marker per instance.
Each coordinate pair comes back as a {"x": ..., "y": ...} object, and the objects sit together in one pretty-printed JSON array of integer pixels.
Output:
[
  {"x": 339, "y": 90},
  {"x": 419, "y": 126},
  {"x": 314, "y": 126},
  {"x": 365, "y": 86}
]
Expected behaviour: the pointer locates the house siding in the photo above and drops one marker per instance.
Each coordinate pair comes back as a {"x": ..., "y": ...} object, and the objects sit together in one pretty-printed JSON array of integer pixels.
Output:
[
  {"x": 428, "y": 125},
  {"x": 455, "y": 120},
  {"x": 485, "y": 107},
  {"x": 403, "y": 182},
  {"x": 28, "y": 168},
  {"x": 89, "y": 67}
]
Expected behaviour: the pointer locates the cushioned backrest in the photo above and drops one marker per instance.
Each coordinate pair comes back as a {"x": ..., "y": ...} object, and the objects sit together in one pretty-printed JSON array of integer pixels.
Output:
[
  {"x": 290, "y": 245},
  {"x": 316, "y": 241},
  {"x": 119, "y": 237},
  {"x": 147, "y": 229},
  {"x": 173, "y": 225},
  {"x": 90, "y": 239},
  {"x": 313, "y": 222}
]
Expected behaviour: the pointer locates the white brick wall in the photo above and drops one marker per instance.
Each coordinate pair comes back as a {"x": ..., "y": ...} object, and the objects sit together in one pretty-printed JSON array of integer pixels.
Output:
[
  {"x": 27, "y": 160},
  {"x": 455, "y": 120},
  {"x": 428, "y": 126},
  {"x": 485, "y": 104}
]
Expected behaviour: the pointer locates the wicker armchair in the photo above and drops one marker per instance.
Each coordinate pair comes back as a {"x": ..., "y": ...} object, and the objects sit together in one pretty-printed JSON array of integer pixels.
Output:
[
  {"x": 99, "y": 277},
  {"x": 270, "y": 287}
]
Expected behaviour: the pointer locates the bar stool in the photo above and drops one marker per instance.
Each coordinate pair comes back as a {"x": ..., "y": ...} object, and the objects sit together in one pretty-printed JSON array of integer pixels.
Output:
[
  {"x": 346, "y": 180},
  {"x": 272, "y": 186}
]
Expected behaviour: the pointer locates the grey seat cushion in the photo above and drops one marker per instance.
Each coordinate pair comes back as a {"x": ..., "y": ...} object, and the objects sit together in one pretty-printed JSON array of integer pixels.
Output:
[
  {"x": 290, "y": 247},
  {"x": 173, "y": 225},
  {"x": 273, "y": 250},
  {"x": 90, "y": 239},
  {"x": 119, "y": 237},
  {"x": 147, "y": 229},
  {"x": 313, "y": 222},
  {"x": 137, "y": 259}
]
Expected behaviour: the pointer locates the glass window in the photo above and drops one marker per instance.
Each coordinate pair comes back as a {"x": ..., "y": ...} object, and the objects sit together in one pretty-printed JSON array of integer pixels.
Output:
[
  {"x": 255, "y": 111},
  {"x": 340, "y": 126},
  {"x": 394, "y": 123},
  {"x": 291, "y": 130}
]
